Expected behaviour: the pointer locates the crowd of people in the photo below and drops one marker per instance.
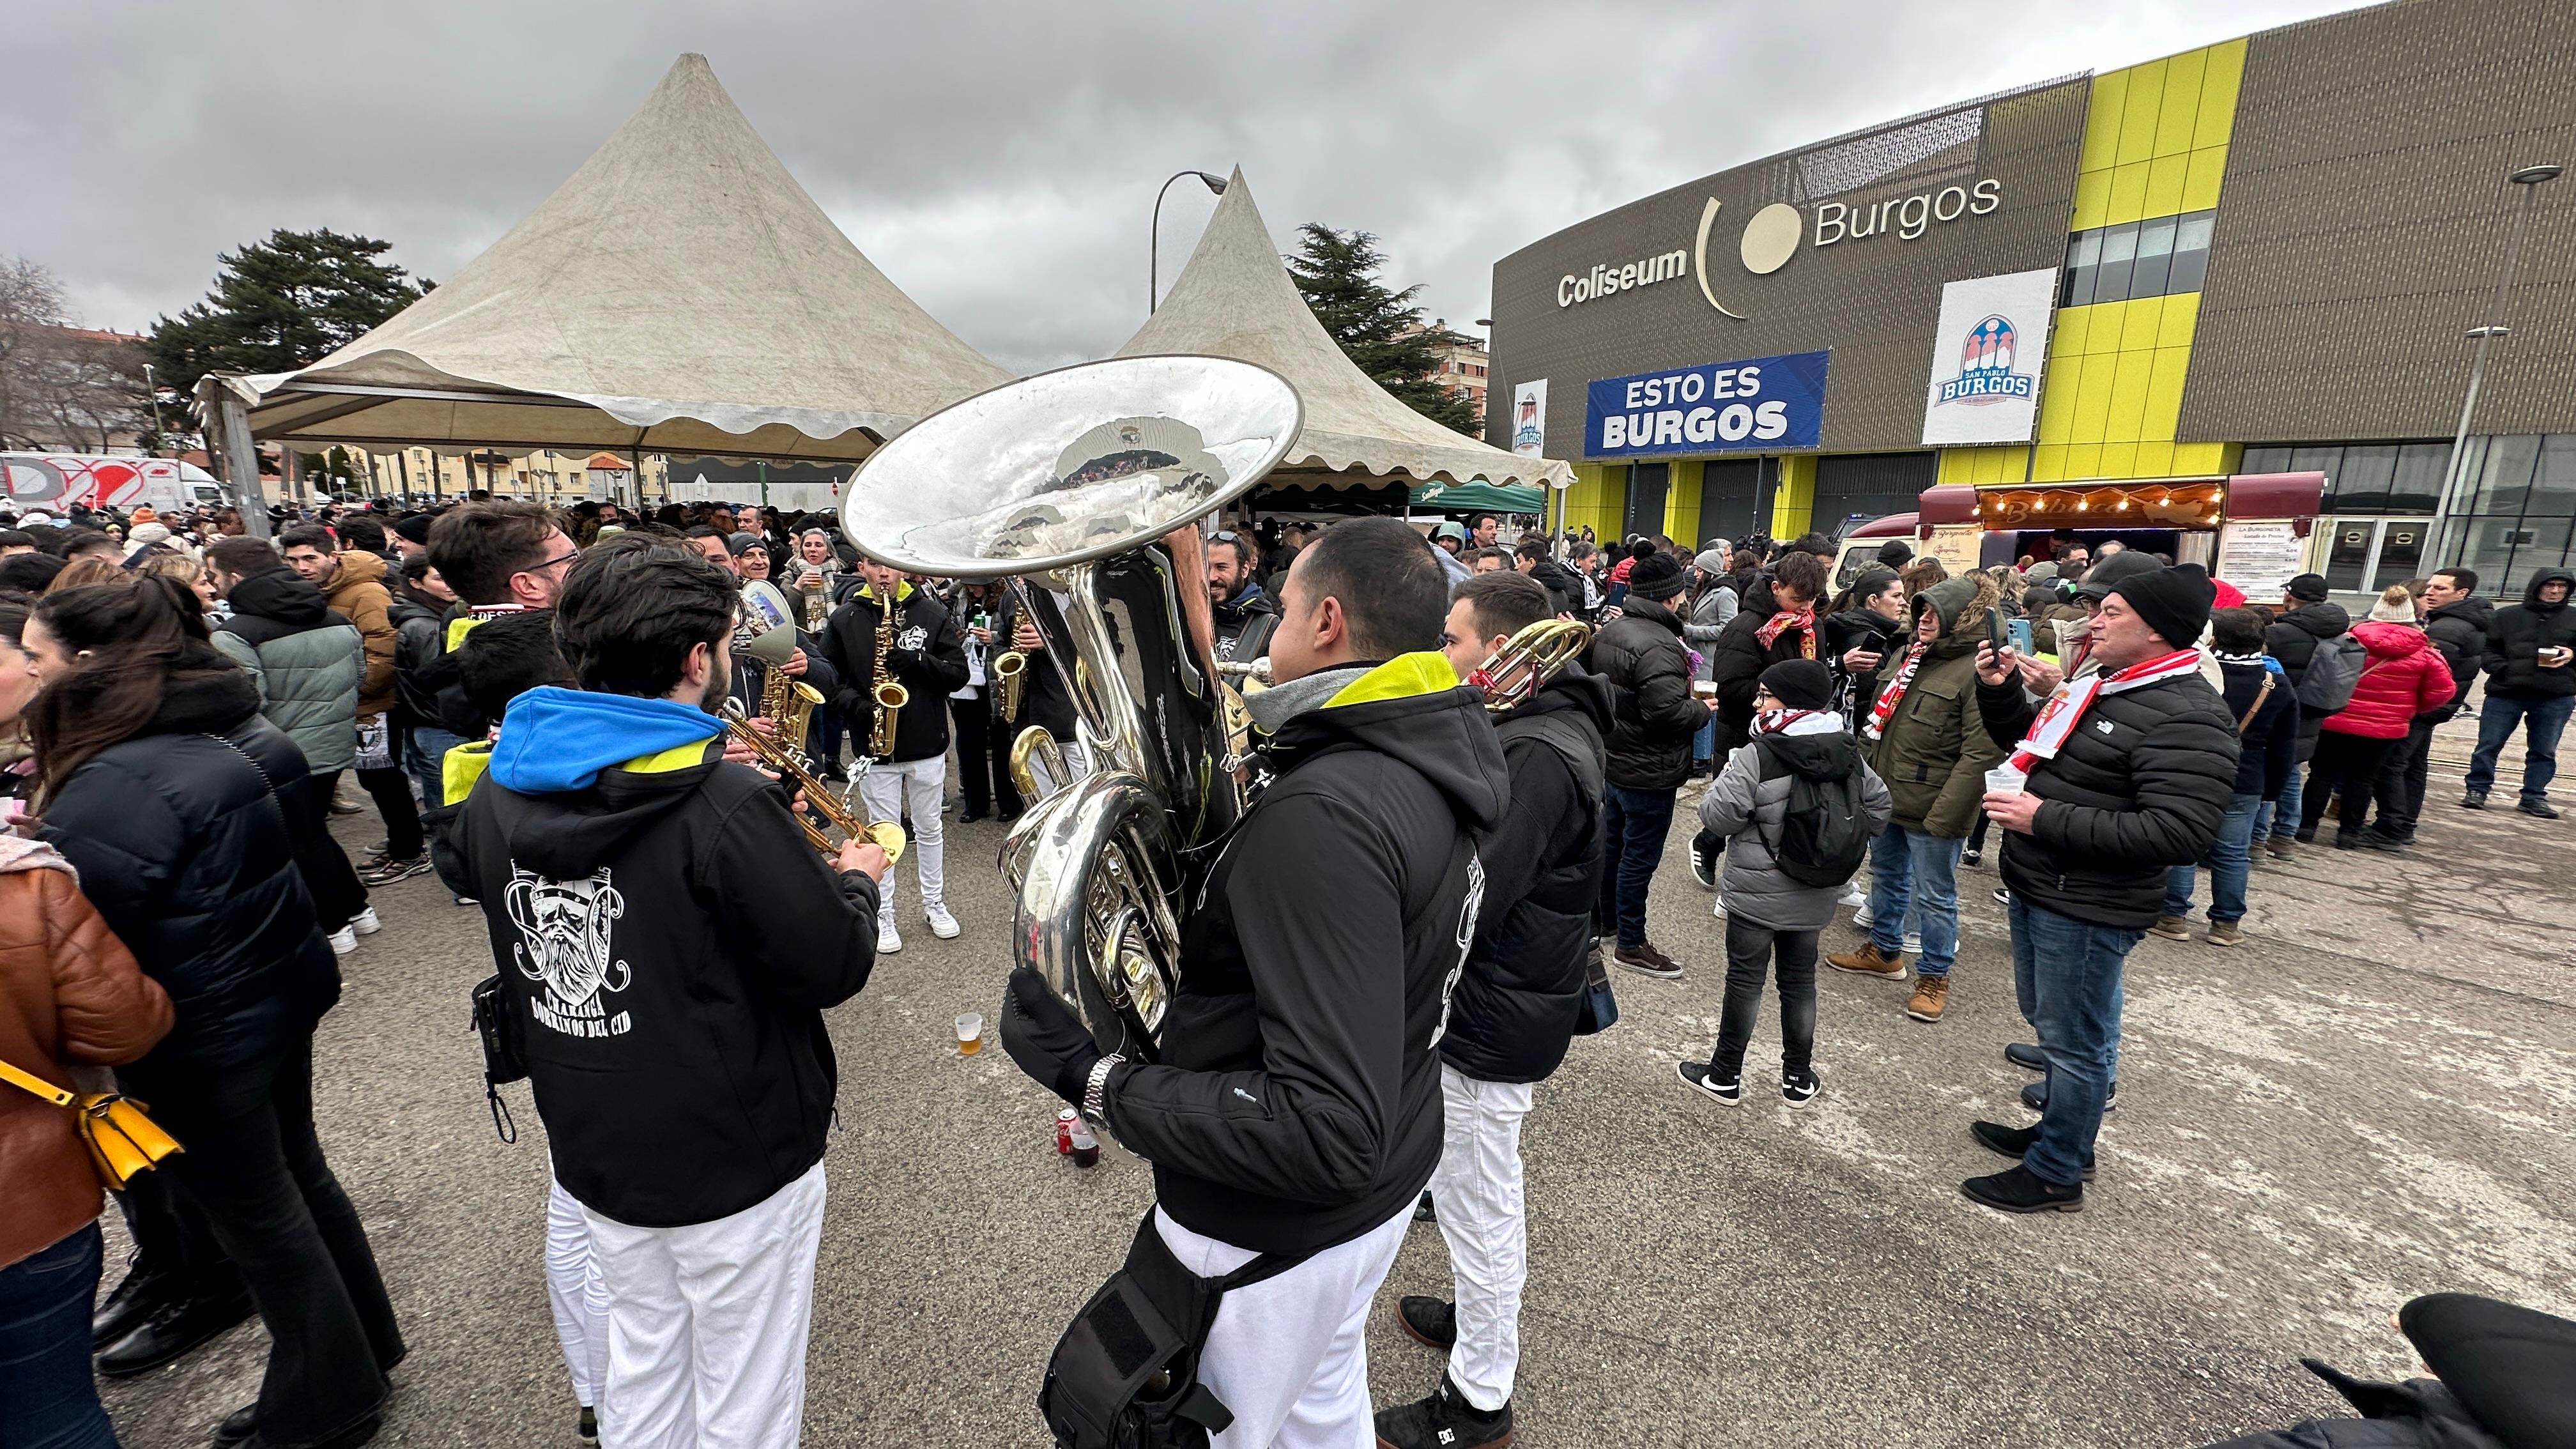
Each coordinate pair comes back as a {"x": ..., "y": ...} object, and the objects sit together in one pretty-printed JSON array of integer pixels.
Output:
[{"x": 562, "y": 716}]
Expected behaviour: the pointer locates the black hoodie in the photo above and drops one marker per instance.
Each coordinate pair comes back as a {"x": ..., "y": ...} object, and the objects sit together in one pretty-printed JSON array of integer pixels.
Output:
[
  {"x": 2520, "y": 632},
  {"x": 1512, "y": 1016},
  {"x": 1297, "y": 1103},
  {"x": 667, "y": 944},
  {"x": 928, "y": 659}
]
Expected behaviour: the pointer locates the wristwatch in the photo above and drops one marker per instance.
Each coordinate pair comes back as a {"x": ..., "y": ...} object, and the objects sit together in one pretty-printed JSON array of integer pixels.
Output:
[{"x": 1095, "y": 1093}]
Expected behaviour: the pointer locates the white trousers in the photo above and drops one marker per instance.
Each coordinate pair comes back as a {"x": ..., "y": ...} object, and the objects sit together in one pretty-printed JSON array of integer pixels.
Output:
[
  {"x": 1477, "y": 1190},
  {"x": 1290, "y": 1356},
  {"x": 578, "y": 1293},
  {"x": 886, "y": 790},
  {"x": 707, "y": 1325}
]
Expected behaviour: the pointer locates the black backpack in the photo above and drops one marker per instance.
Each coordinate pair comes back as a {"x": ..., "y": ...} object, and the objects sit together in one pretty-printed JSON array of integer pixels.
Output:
[{"x": 1824, "y": 834}]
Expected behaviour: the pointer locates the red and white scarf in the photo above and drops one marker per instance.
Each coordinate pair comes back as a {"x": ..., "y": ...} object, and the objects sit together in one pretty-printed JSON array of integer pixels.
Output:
[
  {"x": 1804, "y": 621},
  {"x": 2065, "y": 707},
  {"x": 1889, "y": 697},
  {"x": 1773, "y": 721}
]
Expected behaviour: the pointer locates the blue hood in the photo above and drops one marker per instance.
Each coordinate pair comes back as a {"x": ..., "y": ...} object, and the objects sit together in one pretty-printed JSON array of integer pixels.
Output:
[{"x": 554, "y": 739}]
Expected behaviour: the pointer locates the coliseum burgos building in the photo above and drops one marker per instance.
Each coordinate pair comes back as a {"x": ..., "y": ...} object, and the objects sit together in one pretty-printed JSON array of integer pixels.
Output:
[{"x": 2218, "y": 304}]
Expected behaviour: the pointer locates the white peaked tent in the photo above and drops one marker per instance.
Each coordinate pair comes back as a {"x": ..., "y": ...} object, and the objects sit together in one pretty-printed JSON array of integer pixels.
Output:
[
  {"x": 679, "y": 294},
  {"x": 1235, "y": 299}
]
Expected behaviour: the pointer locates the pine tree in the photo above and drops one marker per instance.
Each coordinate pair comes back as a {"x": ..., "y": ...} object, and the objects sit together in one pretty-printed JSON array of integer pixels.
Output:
[
  {"x": 281, "y": 304},
  {"x": 1381, "y": 331}
]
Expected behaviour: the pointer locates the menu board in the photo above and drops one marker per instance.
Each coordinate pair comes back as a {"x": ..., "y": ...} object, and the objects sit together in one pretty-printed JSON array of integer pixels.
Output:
[
  {"x": 1958, "y": 546},
  {"x": 2261, "y": 558}
]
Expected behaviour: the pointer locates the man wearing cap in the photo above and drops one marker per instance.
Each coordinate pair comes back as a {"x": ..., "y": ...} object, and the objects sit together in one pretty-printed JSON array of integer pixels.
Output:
[
  {"x": 2127, "y": 773},
  {"x": 1640, "y": 653},
  {"x": 2305, "y": 620}
]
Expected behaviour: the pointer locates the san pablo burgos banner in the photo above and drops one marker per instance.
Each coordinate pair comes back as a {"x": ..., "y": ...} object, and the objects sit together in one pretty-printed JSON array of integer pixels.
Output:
[
  {"x": 1756, "y": 404},
  {"x": 1986, "y": 358},
  {"x": 1529, "y": 419}
]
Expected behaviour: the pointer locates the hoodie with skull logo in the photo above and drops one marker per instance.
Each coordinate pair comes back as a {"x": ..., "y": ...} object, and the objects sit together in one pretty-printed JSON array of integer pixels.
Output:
[{"x": 667, "y": 943}]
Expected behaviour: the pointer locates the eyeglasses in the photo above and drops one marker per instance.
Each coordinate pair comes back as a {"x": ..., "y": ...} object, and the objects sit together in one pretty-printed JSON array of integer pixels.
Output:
[{"x": 561, "y": 558}]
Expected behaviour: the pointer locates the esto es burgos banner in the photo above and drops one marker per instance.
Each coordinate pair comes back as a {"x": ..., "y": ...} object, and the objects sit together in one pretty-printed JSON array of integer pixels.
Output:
[
  {"x": 1986, "y": 358},
  {"x": 1758, "y": 404},
  {"x": 1529, "y": 419}
]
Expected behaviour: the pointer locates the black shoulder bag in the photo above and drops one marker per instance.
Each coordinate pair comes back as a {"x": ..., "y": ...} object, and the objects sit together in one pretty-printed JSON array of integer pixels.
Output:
[{"x": 1126, "y": 1373}]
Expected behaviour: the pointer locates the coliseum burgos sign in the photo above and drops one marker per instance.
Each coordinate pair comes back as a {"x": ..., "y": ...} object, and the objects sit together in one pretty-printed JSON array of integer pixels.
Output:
[{"x": 1773, "y": 234}]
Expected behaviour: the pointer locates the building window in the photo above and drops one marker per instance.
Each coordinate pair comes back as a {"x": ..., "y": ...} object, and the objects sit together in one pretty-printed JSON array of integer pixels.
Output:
[
  {"x": 2153, "y": 258},
  {"x": 2518, "y": 508}
]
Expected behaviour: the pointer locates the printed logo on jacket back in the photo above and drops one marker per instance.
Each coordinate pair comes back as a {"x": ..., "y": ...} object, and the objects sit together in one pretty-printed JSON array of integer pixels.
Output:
[
  {"x": 1467, "y": 912},
  {"x": 566, "y": 944}
]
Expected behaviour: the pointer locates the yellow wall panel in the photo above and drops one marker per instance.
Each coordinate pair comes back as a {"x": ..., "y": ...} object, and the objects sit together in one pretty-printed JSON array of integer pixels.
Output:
[
  {"x": 2138, "y": 112},
  {"x": 2129, "y": 379},
  {"x": 2128, "y": 192},
  {"x": 2207, "y": 167},
  {"x": 2181, "y": 319},
  {"x": 2164, "y": 392},
  {"x": 2165, "y": 177},
  {"x": 2154, "y": 460},
  {"x": 1681, "y": 504},
  {"x": 1793, "y": 502},
  {"x": 2178, "y": 110},
  {"x": 2067, "y": 332},
  {"x": 2057, "y": 399},
  {"x": 2102, "y": 121},
  {"x": 2092, "y": 398},
  {"x": 2119, "y": 460},
  {"x": 2048, "y": 463},
  {"x": 2196, "y": 459},
  {"x": 2218, "y": 86},
  {"x": 2083, "y": 460},
  {"x": 2092, "y": 200}
]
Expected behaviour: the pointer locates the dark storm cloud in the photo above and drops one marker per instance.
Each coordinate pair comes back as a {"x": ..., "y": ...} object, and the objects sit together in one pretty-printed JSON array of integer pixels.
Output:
[{"x": 998, "y": 162}]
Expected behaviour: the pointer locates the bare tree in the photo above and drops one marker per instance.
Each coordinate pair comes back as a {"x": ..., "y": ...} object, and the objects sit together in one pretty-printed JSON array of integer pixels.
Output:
[{"x": 61, "y": 387}]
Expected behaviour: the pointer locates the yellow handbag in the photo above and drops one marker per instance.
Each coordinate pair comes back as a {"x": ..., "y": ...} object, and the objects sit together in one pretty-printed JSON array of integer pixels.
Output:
[{"x": 122, "y": 1141}]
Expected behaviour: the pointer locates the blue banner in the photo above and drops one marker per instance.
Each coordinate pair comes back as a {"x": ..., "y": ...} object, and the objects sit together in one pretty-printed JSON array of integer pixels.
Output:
[{"x": 1760, "y": 404}]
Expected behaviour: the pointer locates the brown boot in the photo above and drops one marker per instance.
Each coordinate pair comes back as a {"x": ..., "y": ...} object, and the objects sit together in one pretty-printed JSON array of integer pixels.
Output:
[
  {"x": 1931, "y": 996},
  {"x": 2278, "y": 847},
  {"x": 1868, "y": 962}
]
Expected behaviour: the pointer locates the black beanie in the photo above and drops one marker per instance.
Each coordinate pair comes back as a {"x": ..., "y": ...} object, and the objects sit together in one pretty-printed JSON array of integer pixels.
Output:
[
  {"x": 415, "y": 529},
  {"x": 2173, "y": 601},
  {"x": 1800, "y": 683},
  {"x": 1655, "y": 576}
]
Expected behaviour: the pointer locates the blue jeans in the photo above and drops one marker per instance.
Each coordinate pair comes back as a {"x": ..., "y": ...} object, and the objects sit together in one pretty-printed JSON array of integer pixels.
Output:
[
  {"x": 47, "y": 1395},
  {"x": 1633, "y": 825},
  {"x": 1704, "y": 744},
  {"x": 2496, "y": 719},
  {"x": 424, "y": 746},
  {"x": 2280, "y": 820},
  {"x": 2067, "y": 974},
  {"x": 1912, "y": 868},
  {"x": 2230, "y": 861}
]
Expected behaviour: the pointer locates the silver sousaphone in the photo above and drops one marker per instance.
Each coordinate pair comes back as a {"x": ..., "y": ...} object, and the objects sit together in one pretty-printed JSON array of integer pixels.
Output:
[{"x": 1086, "y": 487}]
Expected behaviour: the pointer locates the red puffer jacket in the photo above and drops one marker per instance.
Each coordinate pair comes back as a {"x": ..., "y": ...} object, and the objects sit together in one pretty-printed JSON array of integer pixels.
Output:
[{"x": 2404, "y": 677}]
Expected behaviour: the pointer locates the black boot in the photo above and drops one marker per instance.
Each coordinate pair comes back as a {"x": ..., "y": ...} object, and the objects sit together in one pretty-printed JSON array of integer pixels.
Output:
[
  {"x": 1433, "y": 1322},
  {"x": 1444, "y": 1421},
  {"x": 2023, "y": 1191},
  {"x": 171, "y": 1332},
  {"x": 129, "y": 1303}
]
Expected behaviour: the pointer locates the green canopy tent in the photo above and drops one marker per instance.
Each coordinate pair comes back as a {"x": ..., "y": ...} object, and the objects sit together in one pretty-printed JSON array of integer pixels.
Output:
[{"x": 1480, "y": 497}]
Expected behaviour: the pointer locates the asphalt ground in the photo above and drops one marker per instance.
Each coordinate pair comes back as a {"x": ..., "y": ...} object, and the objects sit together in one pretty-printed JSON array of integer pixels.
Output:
[{"x": 2366, "y": 1101}]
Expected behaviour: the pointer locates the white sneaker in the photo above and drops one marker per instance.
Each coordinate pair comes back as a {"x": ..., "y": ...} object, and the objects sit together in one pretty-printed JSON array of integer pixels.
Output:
[
  {"x": 1861, "y": 917},
  {"x": 1854, "y": 897},
  {"x": 344, "y": 941},
  {"x": 1914, "y": 943},
  {"x": 889, "y": 940},
  {"x": 366, "y": 924},
  {"x": 942, "y": 924}
]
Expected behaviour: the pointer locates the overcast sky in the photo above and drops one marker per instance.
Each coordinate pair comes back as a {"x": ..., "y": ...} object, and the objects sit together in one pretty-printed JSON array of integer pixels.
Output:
[{"x": 998, "y": 161}]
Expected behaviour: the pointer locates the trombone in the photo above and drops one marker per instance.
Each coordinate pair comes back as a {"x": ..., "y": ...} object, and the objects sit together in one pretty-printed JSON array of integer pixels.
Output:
[
  {"x": 789, "y": 766},
  {"x": 1512, "y": 674}
]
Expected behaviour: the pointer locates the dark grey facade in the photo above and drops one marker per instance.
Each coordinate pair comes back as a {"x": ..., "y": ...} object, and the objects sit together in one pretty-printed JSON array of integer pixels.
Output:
[
  {"x": 2363, "y": 220},
  {"x": 1874, "y": 302}
]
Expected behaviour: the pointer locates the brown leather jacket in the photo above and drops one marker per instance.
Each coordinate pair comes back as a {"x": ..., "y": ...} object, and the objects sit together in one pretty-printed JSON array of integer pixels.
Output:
[{"x": 69, "y": 995}]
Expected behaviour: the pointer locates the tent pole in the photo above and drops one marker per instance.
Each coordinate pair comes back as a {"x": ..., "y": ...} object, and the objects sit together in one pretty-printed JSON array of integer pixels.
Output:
[{"x": 241, "y": 464}]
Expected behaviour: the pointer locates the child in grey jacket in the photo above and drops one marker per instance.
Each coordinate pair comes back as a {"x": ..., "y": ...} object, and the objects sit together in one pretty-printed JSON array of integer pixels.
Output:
[{"x": 1769, "y": 914}]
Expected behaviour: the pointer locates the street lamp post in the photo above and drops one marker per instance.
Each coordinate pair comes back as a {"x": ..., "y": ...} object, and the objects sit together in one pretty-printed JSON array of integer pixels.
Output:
[
  {"x": 2454, "y": 488},
  {"x": 1154, "y": 248}
]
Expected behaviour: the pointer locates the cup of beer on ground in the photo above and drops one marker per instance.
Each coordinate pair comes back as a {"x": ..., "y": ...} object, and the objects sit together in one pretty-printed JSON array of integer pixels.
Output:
[{"x": 970, "y": 1033}]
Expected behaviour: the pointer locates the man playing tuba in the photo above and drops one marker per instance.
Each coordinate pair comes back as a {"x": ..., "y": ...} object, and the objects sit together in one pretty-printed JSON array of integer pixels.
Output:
[{"x": 1295, "y": 1108}]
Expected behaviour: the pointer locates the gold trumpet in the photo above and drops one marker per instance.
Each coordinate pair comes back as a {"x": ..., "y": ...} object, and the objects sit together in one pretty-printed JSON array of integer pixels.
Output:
[
  {"x": 819, "y": 799},
  {"x": 1010, "y": 681},
  {"x": 1513, "y": 673}
]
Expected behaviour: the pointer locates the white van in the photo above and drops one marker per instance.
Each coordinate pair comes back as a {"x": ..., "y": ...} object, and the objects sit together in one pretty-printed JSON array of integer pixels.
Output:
[{"x": 55, "y": 482}]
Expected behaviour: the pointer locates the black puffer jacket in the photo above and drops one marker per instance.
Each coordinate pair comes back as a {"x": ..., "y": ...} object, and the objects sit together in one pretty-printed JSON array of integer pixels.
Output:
[
  {"x": 1512, "y": 1014},
  {"x": 1640, "y": 656},
  {"x": 2459, "y": 630},
  {"x": 1858, "y": 628},
  {"x": 419, "y": 626},
  {"x": 1564, "y": 590},
  {"x": 2140, "y": 786},
  {"x": 2293, "y": 637},
  {"x": 2517, "y": 636},
  {"x": 183, "y": 848},
  {"x": 1297, "y": 1104},
  {"x": 1736, "y": 662}
]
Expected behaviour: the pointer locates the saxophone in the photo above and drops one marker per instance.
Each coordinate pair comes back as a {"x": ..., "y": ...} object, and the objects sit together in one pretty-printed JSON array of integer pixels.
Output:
[
  {"x": 890, "y": 696},
  {"x": 788, "y": 703}
]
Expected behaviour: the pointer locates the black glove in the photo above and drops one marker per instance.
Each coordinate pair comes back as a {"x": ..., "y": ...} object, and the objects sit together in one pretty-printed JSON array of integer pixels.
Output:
[
  {"x": 1044, "y": 1036},
  {"x": 901, "y": 661}
]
